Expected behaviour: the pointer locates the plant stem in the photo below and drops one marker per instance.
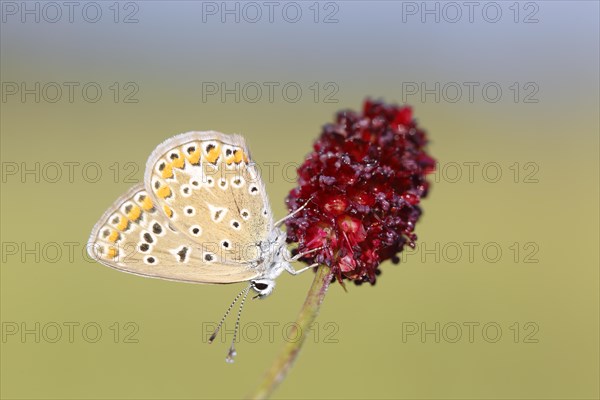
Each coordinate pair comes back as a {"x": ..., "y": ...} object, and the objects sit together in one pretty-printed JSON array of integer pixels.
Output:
[{"x": 308, "y": 313}]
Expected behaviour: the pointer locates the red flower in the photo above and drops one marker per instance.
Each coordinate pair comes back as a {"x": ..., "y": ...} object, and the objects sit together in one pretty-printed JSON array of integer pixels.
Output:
[{"x": 364, "y": 179}]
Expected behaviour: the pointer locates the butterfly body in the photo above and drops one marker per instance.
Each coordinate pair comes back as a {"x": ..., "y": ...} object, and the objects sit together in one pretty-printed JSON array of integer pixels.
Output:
[{"x": 275, "y": 258}]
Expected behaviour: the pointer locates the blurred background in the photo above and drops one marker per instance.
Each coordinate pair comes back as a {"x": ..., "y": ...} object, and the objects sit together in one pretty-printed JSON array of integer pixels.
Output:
[{"x": 499, "y": 299}]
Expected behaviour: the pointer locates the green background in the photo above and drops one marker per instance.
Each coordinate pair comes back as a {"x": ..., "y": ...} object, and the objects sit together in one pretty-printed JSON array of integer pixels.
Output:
[{"x": 364, "y": 348}]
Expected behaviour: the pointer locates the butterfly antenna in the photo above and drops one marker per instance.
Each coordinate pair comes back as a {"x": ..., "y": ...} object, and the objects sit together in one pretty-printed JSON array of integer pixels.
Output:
[
  {"x": 290, "y": 215},
  {"x": 232, "y": 351},
  {"x": 214, "y": 335}
]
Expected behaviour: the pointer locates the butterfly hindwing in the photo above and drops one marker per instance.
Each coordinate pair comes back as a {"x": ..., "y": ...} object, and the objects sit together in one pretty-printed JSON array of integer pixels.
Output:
[
  {"x": 209, "y": 190},
  {"x": 134, "y": 235}
]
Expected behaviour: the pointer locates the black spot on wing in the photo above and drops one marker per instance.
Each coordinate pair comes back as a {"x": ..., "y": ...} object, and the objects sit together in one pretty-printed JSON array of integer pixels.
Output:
[
  {"x": 148, "y": 238},
  {"x": 182, "y": 254}
]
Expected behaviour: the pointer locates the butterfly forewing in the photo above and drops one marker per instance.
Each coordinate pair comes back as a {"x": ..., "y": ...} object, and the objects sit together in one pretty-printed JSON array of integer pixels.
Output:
[{"x": 209, "y": 190}]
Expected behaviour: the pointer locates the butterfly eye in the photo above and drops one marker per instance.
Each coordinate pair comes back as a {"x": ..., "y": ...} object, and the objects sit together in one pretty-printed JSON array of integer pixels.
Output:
[{"x": 260, "y": 286}]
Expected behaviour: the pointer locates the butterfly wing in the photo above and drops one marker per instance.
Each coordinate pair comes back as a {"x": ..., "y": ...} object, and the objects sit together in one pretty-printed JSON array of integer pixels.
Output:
[
  {"x": 211, "y": 192},
  {"x": 200, "y": 217},
  {"x": 134, "y": 236}
]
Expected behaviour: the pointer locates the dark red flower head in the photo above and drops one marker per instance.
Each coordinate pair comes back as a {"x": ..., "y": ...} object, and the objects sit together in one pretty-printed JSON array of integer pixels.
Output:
[{"x": 364, "y": 180}]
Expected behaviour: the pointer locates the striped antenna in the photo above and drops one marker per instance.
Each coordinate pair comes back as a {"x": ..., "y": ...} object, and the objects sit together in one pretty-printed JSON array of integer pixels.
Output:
[
  {"x": 214, "y": 335},
  {"x": 232, "y": 353}
]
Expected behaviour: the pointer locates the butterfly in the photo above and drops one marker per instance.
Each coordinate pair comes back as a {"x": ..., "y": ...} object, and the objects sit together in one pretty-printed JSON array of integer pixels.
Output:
[{"x": 201, "y": 215}]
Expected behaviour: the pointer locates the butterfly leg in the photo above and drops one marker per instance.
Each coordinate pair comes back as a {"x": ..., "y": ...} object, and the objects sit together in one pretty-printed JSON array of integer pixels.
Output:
[
  {"x": 292, "y": 271},
  {"x": 300, "y": 255},
  {"x": 282, "y": 220}
]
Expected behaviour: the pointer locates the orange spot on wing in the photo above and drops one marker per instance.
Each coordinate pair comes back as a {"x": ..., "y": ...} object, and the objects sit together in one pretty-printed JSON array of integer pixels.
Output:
[
  {"x": 238, "y": 156},
  {"x": 135, "y": 213},
  {"x": 123, "y": 224},
  {"x": 112, "y": 252},
  {"x": 213, "y": 154},
  {"x": 168, "y": 211},
  {"x": 194, "y": 157},
  {"x": 147, "y": 203},
  {"x": 163, "y": 192},
  {"x": 178, "y": 162},
  {"x": 167, "y": 172},
  {"x": 113, "y": 236}
]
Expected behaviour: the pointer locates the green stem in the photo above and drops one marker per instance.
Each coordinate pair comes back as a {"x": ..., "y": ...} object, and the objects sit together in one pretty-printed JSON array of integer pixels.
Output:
[{"x": 284, "y": 361}]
